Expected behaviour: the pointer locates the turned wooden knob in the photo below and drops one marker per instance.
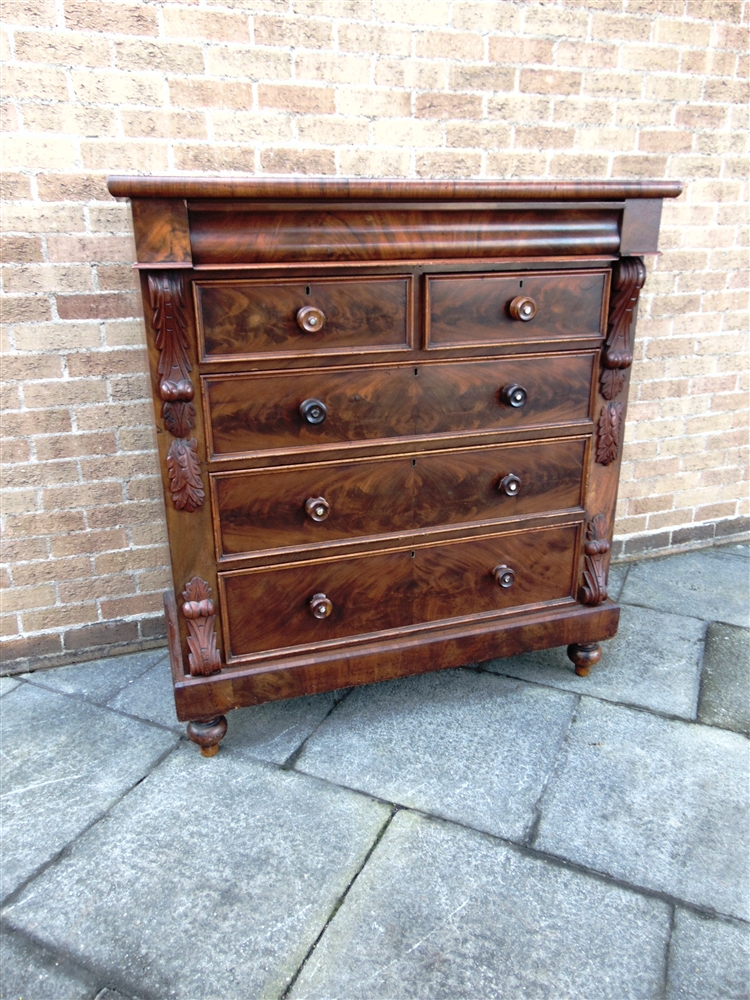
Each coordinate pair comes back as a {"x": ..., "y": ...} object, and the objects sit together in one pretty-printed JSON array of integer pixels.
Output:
[
  {"x": 523, "y": 308},
  {"x": 504, "y": 576},
  {"x": 320, "y": 606},
  {"x": 310, "y": 319},
  {"x": 510, "y": 485},
  {"x": 514, "y": 395},
  {"x": 317, "y": 508},
  {"x": 313, "y": 411}
]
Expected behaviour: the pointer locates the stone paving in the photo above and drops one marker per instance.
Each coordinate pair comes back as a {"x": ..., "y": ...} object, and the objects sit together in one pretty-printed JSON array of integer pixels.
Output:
[{"x": 503, "y": 830}]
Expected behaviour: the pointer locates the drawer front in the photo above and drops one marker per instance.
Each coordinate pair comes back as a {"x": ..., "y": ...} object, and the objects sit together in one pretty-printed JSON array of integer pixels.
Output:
[
  {"x": 251, "y": 413},
  {"x": 465, "y": 310},
  {"x": 272, "y": 609},
  {"x": 270, "y": 509},
  {"x": 320, "y": 316}
]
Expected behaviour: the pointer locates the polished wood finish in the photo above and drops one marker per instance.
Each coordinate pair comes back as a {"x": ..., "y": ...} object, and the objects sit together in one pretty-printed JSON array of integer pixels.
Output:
[
  {"x": 251, "y": 413},
  {"x": 268, "y": 509},
  {"x": 519, "y": 308},
  {"x": 392, "y": 590},
  {"x": 245, "y": 319},
  {"x": 390, "y": 419}
]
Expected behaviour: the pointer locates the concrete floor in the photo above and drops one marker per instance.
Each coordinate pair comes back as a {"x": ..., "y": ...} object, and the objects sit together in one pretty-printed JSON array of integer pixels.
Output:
[{"x": 504, "y": 830}]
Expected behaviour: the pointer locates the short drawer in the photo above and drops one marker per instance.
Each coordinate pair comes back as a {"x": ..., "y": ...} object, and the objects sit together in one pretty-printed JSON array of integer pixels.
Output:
[
  {"x": 332, "y": 600},
  {"x": 248, "y": 413},
  {"x": 321, "y": 316},
  {"x": 486, "y": 309},
  {"x": 314, "y": 504}
]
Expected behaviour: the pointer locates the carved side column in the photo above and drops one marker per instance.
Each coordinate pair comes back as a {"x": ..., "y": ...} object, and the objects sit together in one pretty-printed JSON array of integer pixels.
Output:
[{"x": 167, "y": 298}]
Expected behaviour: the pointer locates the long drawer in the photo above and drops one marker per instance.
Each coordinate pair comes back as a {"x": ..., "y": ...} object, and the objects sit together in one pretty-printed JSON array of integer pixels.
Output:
[
  {"x": 256, "y": 412},
  {"x": 310, "y": 505},
  {"x": 332, "y": 599}
]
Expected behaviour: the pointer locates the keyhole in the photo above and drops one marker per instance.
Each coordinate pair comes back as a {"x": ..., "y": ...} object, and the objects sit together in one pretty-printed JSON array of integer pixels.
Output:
[{"x": 307, "y": 289}]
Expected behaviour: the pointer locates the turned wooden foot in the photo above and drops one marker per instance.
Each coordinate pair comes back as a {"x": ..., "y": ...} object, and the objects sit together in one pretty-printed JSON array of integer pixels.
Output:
[
  {"x": 208, "y": 734},
  {"x": 584, "y": 655}
]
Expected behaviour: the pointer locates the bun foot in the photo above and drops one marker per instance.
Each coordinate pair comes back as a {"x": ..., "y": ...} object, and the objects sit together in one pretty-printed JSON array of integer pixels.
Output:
[
  {"x": 584, "y": 655},
  {"x": 208, "y": 734}
]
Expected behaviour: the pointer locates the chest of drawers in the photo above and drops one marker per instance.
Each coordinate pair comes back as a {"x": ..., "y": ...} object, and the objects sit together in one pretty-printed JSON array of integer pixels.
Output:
[{"x": 390, "y": 422}]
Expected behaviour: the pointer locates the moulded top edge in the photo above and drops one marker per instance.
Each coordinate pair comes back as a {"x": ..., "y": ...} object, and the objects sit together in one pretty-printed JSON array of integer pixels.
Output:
[{"x": 392, "y": 189}]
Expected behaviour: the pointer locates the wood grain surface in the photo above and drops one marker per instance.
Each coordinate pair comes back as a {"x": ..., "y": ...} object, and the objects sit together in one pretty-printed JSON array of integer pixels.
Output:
[
  {"x": 270, "y": 608},
  {"x": 245, "y": 318},
  {"x": 474, "y": 309},
  {"x": 266, "y": 510},
  {"x": 249, "y": 413}
]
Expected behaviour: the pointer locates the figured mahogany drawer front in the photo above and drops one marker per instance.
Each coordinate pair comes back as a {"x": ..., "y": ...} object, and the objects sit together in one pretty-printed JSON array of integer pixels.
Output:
[
  {"x": 249, "y": 413},
  {"x": 520, "y": 308},
  {"x": 320, "y": 316},
  {"x": 329, "y": 600},
  {"x": 313, "y": 504}
]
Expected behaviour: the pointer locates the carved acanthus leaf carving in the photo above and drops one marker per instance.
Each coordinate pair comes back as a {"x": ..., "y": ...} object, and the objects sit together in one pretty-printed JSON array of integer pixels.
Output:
[
  {"x": 608, "y": 430},
  {"x": 199, "y": 611},
  {"x": 179, "y": 418},
  {"x": 185, "y": 474},
  {"x": 617, "y": 354},
  {"x": 167, "y": 296},
  {"x": 596, "y": 547}
]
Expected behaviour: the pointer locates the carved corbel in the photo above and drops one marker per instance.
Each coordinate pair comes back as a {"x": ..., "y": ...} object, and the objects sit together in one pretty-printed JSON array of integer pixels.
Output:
[
  {"x": 167, "y": 297},
  {"x": 200, "y": 611},
  {"x": 617, "y": 354},
  {"x": 596, "y": 547},
  {"x": 608, "y": 431}
]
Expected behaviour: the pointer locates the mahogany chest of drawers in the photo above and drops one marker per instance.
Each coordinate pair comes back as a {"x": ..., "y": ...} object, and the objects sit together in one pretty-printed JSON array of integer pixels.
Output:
[{"x": 390, "y": 421}]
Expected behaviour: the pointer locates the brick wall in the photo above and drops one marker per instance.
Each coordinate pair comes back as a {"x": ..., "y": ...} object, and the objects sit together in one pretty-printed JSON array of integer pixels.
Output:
[{"x": 415, "y": 88}]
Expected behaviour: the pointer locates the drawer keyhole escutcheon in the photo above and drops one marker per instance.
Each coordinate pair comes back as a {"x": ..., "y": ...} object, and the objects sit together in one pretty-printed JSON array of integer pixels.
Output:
[
  {"x": 320, "y": 606},
  {"x": 522, "y": 307},
  {"x": 317, "y": 508},
  {"x": 504, "y": 576},
  {"x": 510, "y": 485},
  {"x": 313, "y": 411},
  {"x": 514, "y": 395},
  {"x": 310, "y": 319}
]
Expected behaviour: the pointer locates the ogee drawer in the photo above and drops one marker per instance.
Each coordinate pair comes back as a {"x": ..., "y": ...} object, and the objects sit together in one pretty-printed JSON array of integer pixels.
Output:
[
  {"x": 311, "y": 505},
  {"x": 330, "y": 600},
  {"x": 318, "y": 316},
  {"x": 486, "y": 309},
  {"x": 316, "y": 408}
]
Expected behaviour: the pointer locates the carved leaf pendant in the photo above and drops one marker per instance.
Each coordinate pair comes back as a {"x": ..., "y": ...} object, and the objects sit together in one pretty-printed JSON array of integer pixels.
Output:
[
  {"x": 608, "y": 431},
  {"x": 185, "y": 474}
]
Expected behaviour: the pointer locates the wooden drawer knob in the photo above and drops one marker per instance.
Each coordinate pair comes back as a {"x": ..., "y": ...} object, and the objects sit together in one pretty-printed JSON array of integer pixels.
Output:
[
  {"x": 310, "y": 319},
  {"x": 317, "y": 508},
  {"x": 313, "y": 411},
  {"x": 514, "y": 395},
  {"x": 510, "y": 485},
  {"x": 523, "y": 308},
  {"x": 504, "y": 576},
  {"x": 320, "y": 606}
]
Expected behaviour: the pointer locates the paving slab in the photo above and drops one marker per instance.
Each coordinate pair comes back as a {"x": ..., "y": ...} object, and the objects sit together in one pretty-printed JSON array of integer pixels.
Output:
[
  {"x": 8, "y": 684},
  {"x": 654, "y": 661},
  {"x": 725, "y": 683},
  {"x": 212, "y": 878},
  {"x": 708, "y": 959},
  {"x": 659, "y": 803},
  {"x": 97, "y": 680},
  {"x": 460, "y": 744},
  {"x": 64, "y": 763},
  {"x": 28, "y": 972},
  {"x": 440, "y": 913},
  {"x": 698, "y": 584}
]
